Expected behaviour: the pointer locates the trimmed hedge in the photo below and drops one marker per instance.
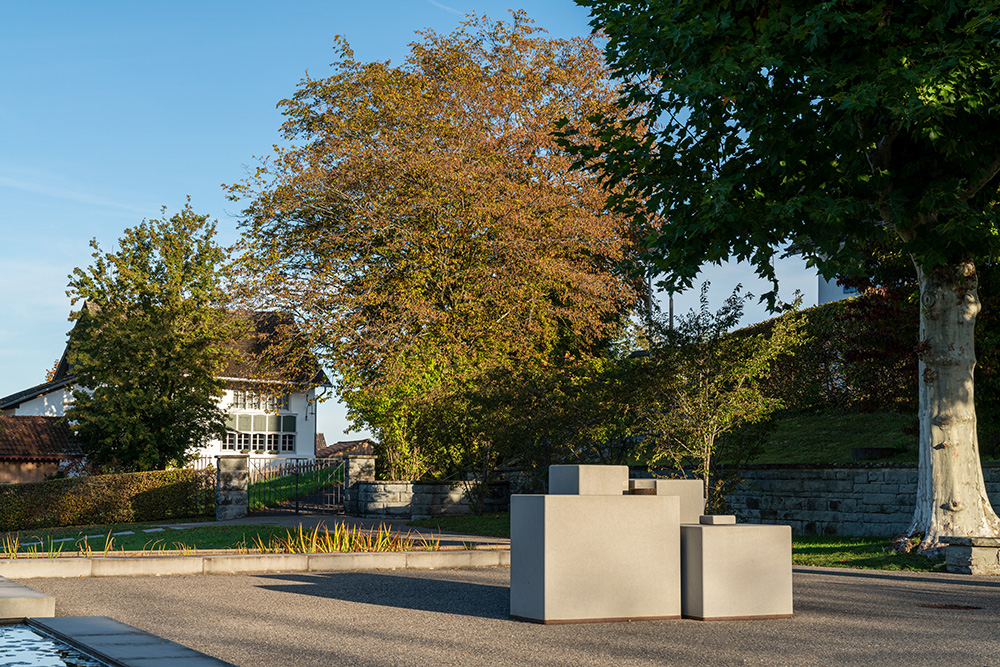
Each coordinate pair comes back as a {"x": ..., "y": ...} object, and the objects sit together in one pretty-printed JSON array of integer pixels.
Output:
[
  {"x": 859, "y": 356},
  {"x": 102, "y": 499}
]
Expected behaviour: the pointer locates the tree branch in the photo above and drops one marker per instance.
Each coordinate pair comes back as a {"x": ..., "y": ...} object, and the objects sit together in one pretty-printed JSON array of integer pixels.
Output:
[{"x": 991, "y": 172}]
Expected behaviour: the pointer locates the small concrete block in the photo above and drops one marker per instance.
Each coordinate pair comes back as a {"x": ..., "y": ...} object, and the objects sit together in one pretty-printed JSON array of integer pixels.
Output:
[
  {"x": 18, "y": 601},
  {"x": 736, "y": 571},
  {"x": 594, "y": 558},
  {"x": 588, "y": 480},
  {"x": 717, "y": 519},
  {"x": 691, "y": 493}
]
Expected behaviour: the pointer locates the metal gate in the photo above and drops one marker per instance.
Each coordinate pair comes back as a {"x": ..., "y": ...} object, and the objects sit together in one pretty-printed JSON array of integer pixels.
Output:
[{"x": 293, "y": 485}]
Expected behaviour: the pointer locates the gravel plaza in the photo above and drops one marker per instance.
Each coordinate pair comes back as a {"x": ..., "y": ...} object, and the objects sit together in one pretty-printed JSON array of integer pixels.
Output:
[{"x": 460, "y": 617}]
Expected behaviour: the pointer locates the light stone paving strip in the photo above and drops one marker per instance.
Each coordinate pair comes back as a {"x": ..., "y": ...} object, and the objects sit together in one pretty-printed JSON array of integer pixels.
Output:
[
  {"x": 63, "y": 568},
  {"x": 123, "y": 644}
]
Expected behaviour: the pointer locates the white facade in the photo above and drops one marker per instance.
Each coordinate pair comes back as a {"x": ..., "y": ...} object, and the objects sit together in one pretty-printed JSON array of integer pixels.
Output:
[
  {"x": 52, "y": 404},
  {"x": 267, "y": 425},
  {"x": 829, "y": 291},
  {"x": 257, "y": 426}
]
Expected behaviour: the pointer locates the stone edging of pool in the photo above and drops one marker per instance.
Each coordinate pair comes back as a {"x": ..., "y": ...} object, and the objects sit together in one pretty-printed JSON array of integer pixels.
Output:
[{"x": 146, "y": 566}]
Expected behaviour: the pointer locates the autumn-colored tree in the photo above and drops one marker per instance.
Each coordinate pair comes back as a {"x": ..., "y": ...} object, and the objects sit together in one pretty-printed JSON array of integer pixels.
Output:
[{"x": 423, "y": 224}]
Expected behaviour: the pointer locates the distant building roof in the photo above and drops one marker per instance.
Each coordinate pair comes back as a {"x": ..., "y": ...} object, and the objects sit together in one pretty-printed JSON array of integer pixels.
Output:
[
  {"x": 14, "y": 400},
  {"x": 36, "y": 438},
  {"x": 291, "y": 360},
  {"x": 273, "y": 350},
  {"x": 365, "y": 447}
]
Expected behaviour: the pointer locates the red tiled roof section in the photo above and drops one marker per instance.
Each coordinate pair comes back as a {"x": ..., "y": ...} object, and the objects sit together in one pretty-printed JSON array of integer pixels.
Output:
[
  {"x": 36, "y": 437},
  {"x": 365, "y": 446}
]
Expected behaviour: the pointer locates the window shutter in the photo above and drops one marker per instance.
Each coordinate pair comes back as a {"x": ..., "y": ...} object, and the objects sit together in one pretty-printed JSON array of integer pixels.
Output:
[
  {"x": 260, "y": 423},
  {"x": 288, "y": 423},
  {"x": 243, "y": 421}
]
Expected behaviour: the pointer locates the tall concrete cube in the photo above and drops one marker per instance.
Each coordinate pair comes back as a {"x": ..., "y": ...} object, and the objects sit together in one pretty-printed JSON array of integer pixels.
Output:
[
  {"x": 594, "y": 558},
  {"x": 736, "y": 571},
  {"x": 588, "y": 480},
  {"x": 690, "y": 491}
]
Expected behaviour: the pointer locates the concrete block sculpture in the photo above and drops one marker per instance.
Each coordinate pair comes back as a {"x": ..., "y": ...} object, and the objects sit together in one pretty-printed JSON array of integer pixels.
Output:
[
  {"x": 601, "y": 547},
  {"x": 690, "y": 491},
  {"x": 590, "y": 480},
  {"x": 735, "y": 571},
  {"x": 594, "y": 558}
]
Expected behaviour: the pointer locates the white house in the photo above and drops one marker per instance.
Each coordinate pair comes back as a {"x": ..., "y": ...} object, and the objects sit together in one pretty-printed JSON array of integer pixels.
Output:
[
  {"x": 273, "y": 415},
  {"x": 829, "y": 291}
]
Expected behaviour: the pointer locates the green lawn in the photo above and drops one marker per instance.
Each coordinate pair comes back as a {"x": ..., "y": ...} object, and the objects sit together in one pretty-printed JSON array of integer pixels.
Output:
[{"x": 817, "y": 438}]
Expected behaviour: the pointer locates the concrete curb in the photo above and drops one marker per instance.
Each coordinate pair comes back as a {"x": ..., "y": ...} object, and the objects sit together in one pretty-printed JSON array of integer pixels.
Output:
[{"x": 156, "y": 566}]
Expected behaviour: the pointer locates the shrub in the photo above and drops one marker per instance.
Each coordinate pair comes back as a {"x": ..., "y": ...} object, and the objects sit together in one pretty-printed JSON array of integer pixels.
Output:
[{"x": 124, "y": 498}]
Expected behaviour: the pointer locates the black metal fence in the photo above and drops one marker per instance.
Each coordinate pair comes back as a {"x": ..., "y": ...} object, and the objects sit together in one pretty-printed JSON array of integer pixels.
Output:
[{"x": 285, "y": 485}]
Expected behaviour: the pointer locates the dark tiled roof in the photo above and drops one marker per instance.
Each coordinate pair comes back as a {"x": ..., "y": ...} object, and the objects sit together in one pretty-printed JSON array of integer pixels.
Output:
[
  {"x": 261, "y": 332},
  {"x": 14, "y": 400},
  {"x": 36, "y": 438},
  {"x": 268, "y": 338},
  {"x": 365, "y": 446}
]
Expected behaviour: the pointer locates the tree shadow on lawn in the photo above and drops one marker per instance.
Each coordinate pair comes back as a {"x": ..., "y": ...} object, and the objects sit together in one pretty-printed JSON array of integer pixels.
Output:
[{"x": 394, "y": 590}]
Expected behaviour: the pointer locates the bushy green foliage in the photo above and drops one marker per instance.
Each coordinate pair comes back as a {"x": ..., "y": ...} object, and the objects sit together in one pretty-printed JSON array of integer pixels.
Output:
[
  {"x": 122, "y": 498},
  {"x": 856, "y": 355},
  {"x": 149, "y": 345}
]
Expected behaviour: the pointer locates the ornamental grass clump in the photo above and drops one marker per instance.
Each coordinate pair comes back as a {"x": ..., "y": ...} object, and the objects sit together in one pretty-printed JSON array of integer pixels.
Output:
[{"x": 343, "y": 539}]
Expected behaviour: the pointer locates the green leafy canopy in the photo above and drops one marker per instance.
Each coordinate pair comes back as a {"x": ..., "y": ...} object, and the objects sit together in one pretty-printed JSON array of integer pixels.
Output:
[
  {"x": 149, "y": 344},
  {"x": 820, "y": 124}
]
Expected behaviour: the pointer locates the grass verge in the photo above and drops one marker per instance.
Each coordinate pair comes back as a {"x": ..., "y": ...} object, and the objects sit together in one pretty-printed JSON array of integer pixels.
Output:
[
  {"x": 867, "y": 553},
  {"x": 101, "y": 540}
]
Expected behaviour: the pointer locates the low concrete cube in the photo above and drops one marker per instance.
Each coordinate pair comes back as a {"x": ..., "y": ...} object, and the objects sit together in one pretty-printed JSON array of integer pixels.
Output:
[
  {"x": 588, "y": 480},
  {"x": 972, "y": 555},
  {"x": 736, "y": 571},
  {"x": 690, "y": 491},
  {"x": 594, "y": 558}
]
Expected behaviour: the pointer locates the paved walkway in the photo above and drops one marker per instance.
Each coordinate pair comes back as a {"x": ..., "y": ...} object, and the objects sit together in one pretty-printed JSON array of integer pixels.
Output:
[{"x": 459, "y": 617}]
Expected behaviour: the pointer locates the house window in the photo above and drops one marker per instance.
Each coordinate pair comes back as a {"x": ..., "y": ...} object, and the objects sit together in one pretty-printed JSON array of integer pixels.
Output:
[
  {"x": 260, "y": 433},
  {"x": 251, "y": 400}
]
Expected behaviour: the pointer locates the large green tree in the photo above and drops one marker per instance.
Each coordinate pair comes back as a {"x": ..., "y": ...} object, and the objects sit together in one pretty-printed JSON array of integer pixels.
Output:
[
  {"x": 148, "y": 345},
  {"x": 825, "y": 125},
  {"x": 424, "y": 224}
]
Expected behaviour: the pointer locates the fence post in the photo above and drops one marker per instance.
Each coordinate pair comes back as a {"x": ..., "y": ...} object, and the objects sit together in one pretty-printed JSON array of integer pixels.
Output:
[
  {"x": 232, "y": 478},
  {"x": 357, "y": 468}
]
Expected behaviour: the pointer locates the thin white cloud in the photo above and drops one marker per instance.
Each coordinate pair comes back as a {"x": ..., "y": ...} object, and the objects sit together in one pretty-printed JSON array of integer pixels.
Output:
[
  {"x": 50, "y": 188},
  {"x": 446, "y": 8}
]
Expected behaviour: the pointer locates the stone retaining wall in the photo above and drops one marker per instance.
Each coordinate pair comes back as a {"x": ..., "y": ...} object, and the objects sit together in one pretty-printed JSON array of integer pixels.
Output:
[
  {"x": 856, "y": 500},
  {"x": 423, "y": 500},
  {"x": 852, "y": 499}
]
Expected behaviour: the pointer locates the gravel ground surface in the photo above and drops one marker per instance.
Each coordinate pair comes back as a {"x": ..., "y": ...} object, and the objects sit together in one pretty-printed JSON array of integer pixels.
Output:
[{"x": 459, "y": 617}]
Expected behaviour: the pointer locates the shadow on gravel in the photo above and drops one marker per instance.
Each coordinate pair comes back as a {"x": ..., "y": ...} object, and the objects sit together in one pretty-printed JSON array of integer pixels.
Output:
[
  {"x": 893, "y": 576},
  {"x": 400, "y": 591}
]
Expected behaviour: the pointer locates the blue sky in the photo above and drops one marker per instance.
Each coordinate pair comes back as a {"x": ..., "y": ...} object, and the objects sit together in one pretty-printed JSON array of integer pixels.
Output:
[{"x": 111, "y": 110}]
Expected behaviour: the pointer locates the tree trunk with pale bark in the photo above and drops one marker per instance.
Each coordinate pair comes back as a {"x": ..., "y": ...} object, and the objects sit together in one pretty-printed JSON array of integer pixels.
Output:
[{"x": 951, "y": 494}]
